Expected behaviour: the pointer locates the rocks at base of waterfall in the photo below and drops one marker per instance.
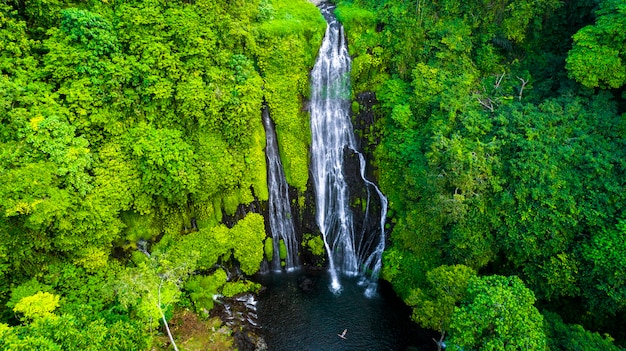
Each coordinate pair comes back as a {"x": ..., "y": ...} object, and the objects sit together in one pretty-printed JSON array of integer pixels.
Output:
[
  {"x": 239, "y": 314},
  {"x": 306, "y": 284},
  {"x": 249, "y": 342}
]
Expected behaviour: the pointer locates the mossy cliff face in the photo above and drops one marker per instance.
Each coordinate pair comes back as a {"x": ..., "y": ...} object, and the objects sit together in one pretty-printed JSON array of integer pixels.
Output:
[{"x": 289, "y": 44}]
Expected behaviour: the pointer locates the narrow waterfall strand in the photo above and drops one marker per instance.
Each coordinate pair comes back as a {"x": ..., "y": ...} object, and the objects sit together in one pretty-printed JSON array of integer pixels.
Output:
[{"x": 281, "y": 222}]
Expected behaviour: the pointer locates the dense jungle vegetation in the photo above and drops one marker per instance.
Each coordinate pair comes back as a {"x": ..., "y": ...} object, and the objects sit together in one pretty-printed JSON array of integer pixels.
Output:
[
  {"x": 507, "y": 118},
  {"x": 139, "y": 120},
  {"x": 499, "y": 140}
]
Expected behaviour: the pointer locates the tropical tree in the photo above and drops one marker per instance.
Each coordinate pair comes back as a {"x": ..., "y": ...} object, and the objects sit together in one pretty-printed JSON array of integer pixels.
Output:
[
  {"x": 497, "y": 314},
  {"x": 434, "y": 305},
  {"x": 154, "y": 285},
  {"x": 598, "y": 56}
]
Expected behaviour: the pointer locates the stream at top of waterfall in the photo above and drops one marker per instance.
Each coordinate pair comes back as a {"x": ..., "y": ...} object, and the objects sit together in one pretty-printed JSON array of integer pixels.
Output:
[{"x": 297, "y": 311}]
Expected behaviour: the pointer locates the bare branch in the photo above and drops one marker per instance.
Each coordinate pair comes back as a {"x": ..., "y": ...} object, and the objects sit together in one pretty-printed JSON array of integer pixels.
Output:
[
  {"x": 167, "y": 326},
  {"x": 488, "y": 103},
  {"x": 440, "y": 344},
  {"x": 499, "y": 80},
  {"x": 521, "y": 90}
]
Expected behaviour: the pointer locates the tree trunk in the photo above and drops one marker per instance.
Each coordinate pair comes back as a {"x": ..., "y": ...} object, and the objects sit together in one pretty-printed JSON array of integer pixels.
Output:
[{"x": 167, "y": 326}]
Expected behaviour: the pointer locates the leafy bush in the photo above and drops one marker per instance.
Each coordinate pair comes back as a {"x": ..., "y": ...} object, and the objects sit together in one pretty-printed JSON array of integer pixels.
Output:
[
  {"x": 314, "y": 243},
  {"x": 203, "y": 290},
  {"x": 237, "y": 287}
]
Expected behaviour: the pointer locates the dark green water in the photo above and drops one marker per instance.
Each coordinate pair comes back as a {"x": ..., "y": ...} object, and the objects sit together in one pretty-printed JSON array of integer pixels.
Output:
[{"x": 293, "y": 319}]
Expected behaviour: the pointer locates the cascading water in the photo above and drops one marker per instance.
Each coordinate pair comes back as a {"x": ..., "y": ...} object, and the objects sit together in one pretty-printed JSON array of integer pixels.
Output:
[
  {"x": 332, "y": 140},
  {"x": 281, "y": 222}
]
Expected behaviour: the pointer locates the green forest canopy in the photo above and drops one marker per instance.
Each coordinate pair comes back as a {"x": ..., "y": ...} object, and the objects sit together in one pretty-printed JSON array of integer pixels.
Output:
[
  {"x": 122, "y": 121},
  {"x": 508, "y": 120}
]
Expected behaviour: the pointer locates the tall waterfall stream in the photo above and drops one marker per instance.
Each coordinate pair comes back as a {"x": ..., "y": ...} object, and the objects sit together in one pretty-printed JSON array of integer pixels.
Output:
[{"x": 349, "y": 253}]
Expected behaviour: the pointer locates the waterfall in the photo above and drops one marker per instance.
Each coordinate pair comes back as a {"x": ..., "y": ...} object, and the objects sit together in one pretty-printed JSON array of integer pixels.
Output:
[
  {"x": 142, "y": 246},
  {"x": 333, "y": 140},
  {"x": 281, "y": 222}
]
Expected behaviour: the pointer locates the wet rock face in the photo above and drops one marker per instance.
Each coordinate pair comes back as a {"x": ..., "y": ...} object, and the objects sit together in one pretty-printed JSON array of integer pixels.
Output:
[
  {"x": 304, "y": 213},
  {"x": 242, "y": 211},
  {"x": 240, "y": 314},
  {"x": 363, "y": 123}
]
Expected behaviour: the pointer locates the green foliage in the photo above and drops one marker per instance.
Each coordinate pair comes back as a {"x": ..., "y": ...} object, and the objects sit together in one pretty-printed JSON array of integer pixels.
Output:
[
  {"x": 287, "y": 49},
  {"x": 37, "y": 306},
  {"x": 121, "y": 121},
  {"x": 445, "y": 287},
  {"x": 237, "y": 287},
  {"x": 142, "y": 107},
  {"x": 604, "y": 275},
  {"x": 124, "y": 121},
  {"x": 139, "y": 227},
  {"x": 282, "y": 248},
  {"x": 314, "y": 243},
  {"x": 165, "y": 161},
  {"x": 557, "y": 164},
  {"x": 153, "y": 286},
  {"x": 203, "y": 290},
  {"x": 266, "y": 11},
  {"x": 69, "y": 332},
  {"x": 89, "y": 29},
  {"x": 268, "y": 248},
  {"x": 4, "y": 330},
  {"x": 497, "y": 314},
  {"x": 243, "y": 242},
  {"x": 490, "y": 157},
  {"x": 368, "y": 58},
  {"x": 28, "y": 288},
  {"x": 405, "y": 269},
  {"x": 565, "y": 157},
  {"x": 350, "y": 15},
  {"x": 291, "y": 18},
  {"x": 247, "y": 242},
  {"x": 87, "y": 318},
  {"x": 571, "y": 337},
  {"x": 598, "y": 55}
]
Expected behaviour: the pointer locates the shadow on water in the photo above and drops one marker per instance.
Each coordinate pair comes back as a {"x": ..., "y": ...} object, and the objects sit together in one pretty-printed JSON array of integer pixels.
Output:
[{"x": 297, "y": 311}]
